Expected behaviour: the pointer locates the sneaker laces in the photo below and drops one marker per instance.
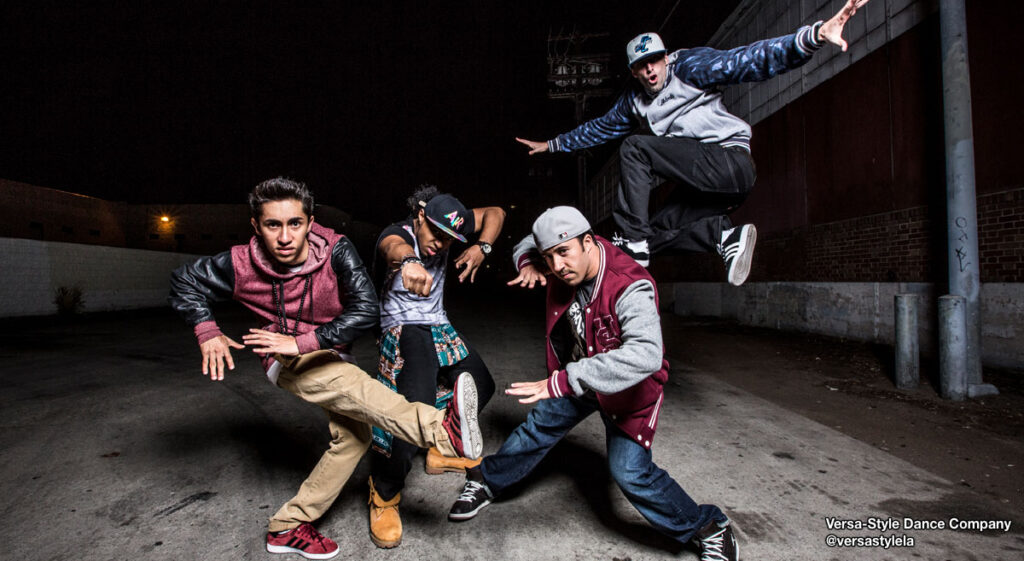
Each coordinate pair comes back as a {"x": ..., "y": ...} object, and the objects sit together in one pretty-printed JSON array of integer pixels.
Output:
[
  {"x": 712, "y": 547},
  {"x": 618, "y": 240},
  {"x": 469, "y": 491},
  {"x": 309, "y": 532}
]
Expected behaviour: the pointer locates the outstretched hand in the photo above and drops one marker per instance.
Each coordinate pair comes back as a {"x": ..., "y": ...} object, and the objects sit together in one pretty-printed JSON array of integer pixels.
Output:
[
  {"x": 269, "y": 342},
  {"x": 832, "y": 30},
  {"x": 216, "y": 352},
  {"x": 528, "y": 277},
  {"x": 534, "y": 146},
  {"x": 530, "y": 391}
]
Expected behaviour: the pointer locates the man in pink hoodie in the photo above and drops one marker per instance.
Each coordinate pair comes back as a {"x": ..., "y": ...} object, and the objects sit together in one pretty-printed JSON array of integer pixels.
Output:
[{"x": 310, "y": 289}]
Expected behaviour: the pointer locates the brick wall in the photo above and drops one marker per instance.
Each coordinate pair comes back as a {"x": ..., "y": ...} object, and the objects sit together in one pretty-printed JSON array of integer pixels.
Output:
[
  {"x": 1001, "y": 236},
  {"x": 907, "y": 245}
]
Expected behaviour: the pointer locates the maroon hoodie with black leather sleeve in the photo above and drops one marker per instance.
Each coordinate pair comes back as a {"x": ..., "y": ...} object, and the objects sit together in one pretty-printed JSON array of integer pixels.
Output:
[{"x": 338, "y": 300}]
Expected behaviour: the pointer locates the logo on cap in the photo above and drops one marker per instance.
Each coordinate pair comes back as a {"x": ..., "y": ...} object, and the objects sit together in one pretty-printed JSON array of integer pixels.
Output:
[
  {"x": 454, "y": 219},
  {"x": 563, "y": 235},
  {"x": 641, "y": 47}
]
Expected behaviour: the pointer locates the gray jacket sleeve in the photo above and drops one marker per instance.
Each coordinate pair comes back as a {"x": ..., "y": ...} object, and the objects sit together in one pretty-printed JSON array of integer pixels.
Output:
[
  {"x": 525, "y": 252},
  {"x": 639, "y": 356}
]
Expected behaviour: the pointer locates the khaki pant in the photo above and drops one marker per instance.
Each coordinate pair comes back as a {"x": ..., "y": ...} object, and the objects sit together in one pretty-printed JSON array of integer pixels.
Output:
[{"x": 353, "y": 401}]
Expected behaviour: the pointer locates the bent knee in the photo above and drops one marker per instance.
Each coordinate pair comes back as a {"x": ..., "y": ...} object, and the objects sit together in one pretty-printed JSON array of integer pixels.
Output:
[
  {"x": 345, "y": 439},
  {"x": 632, "y": 475}
]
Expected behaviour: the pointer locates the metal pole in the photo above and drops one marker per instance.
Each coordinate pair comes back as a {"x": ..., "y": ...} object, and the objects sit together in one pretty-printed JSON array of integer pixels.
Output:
[
  {"x": 908, "y": 361},
  {"x": 952, "y": 348},
  {"x": 961, "y": 206}
]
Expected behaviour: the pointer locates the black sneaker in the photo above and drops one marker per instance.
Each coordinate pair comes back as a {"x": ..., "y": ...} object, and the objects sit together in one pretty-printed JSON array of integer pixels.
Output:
[
  {"x": 475, "y": 495},
  {"x": 638, "y": 250},
  {"x": 717, "y": 543},
  {"x": 737, "y": 248}
]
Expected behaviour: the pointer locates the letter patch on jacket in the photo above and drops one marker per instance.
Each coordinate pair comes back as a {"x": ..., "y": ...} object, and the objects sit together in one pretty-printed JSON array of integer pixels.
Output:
[{"x": 606, "y": 333}]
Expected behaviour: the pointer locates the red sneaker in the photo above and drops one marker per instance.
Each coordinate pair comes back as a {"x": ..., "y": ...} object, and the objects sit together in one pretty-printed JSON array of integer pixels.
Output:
[
  {"x": 460, "y": 419},
  {"x": 304, "y": 540}
]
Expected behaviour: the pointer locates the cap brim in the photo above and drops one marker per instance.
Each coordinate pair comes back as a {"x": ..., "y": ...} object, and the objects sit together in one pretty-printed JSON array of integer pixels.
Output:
[
  {"x": 447, "y": 230},
  {"x": 647, "y": 57}
]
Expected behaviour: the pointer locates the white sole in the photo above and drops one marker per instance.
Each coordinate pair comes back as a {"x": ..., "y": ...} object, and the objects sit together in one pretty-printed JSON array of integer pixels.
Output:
[
  {"x": 470, "y": 514},
  {"x": 472, "y": 440},
  {"x": 740, "y": 269},
  {"x": 286, "y": 549}
]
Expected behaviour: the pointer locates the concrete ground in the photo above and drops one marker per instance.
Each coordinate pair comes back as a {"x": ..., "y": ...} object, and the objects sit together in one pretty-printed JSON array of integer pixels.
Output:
[{"x": 114, "y": 446}]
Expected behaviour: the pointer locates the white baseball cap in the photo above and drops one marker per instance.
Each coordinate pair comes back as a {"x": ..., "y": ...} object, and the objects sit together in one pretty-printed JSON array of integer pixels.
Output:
[{"x": 644, "y": 46}]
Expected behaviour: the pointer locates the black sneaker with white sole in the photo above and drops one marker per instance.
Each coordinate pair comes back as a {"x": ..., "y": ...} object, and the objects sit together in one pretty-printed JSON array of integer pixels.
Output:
[
  {"x": 637, "y": 249},
  {"x": 737, "y": 249},
  {"x": 475, "y": 496},
  {"x": 717, "y": 543}
]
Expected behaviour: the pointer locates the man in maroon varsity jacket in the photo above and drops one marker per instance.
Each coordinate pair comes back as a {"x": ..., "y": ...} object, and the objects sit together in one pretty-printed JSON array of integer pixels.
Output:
[
  {"x": 605, "y": 354},
  {"x": 310, "y": 288}
]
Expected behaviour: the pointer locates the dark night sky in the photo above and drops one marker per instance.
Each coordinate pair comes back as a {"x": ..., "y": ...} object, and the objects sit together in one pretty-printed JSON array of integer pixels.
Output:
[{"x": 197, "y": 101}]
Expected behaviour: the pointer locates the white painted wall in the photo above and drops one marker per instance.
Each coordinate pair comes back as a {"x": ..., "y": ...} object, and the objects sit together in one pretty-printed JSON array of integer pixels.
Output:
[
  {"x": 111, "y": 278},
  {"x": 857, "y": 311}
]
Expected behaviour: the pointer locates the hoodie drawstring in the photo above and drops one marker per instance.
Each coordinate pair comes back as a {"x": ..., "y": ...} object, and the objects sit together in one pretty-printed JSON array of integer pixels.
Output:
[{"x": 282, "y": 319}]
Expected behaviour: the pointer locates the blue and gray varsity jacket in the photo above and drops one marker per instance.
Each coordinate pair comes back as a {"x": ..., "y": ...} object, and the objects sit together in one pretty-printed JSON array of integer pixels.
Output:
[{"x": 690, "y": 105}]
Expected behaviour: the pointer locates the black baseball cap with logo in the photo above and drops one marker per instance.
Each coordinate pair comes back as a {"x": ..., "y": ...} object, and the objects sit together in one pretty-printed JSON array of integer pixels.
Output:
[{"x": 449, "y": 215}]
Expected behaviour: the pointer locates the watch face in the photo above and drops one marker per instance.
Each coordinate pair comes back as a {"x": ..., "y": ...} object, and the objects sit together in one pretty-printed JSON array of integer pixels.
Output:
[{"x": 484, "y": 247}]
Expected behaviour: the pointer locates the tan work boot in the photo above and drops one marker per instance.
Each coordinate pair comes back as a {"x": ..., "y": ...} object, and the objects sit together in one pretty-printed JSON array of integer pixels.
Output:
[
  {"x": 437, "y": 464},
  {"x": 385, "y": 523}
]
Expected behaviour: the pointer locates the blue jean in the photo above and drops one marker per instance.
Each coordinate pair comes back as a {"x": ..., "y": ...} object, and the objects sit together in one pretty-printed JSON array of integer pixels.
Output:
[{"x": 650, "y": 489}]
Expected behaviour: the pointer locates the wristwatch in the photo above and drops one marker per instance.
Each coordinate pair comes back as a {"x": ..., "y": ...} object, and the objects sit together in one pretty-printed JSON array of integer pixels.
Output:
[{"x": 484, "y": 247}]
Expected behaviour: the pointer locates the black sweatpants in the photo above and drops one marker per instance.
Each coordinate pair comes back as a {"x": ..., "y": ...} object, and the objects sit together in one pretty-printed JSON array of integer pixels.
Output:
[
  {"x": 713, "y": 181},
  {"x": 418, "y": 381}
]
